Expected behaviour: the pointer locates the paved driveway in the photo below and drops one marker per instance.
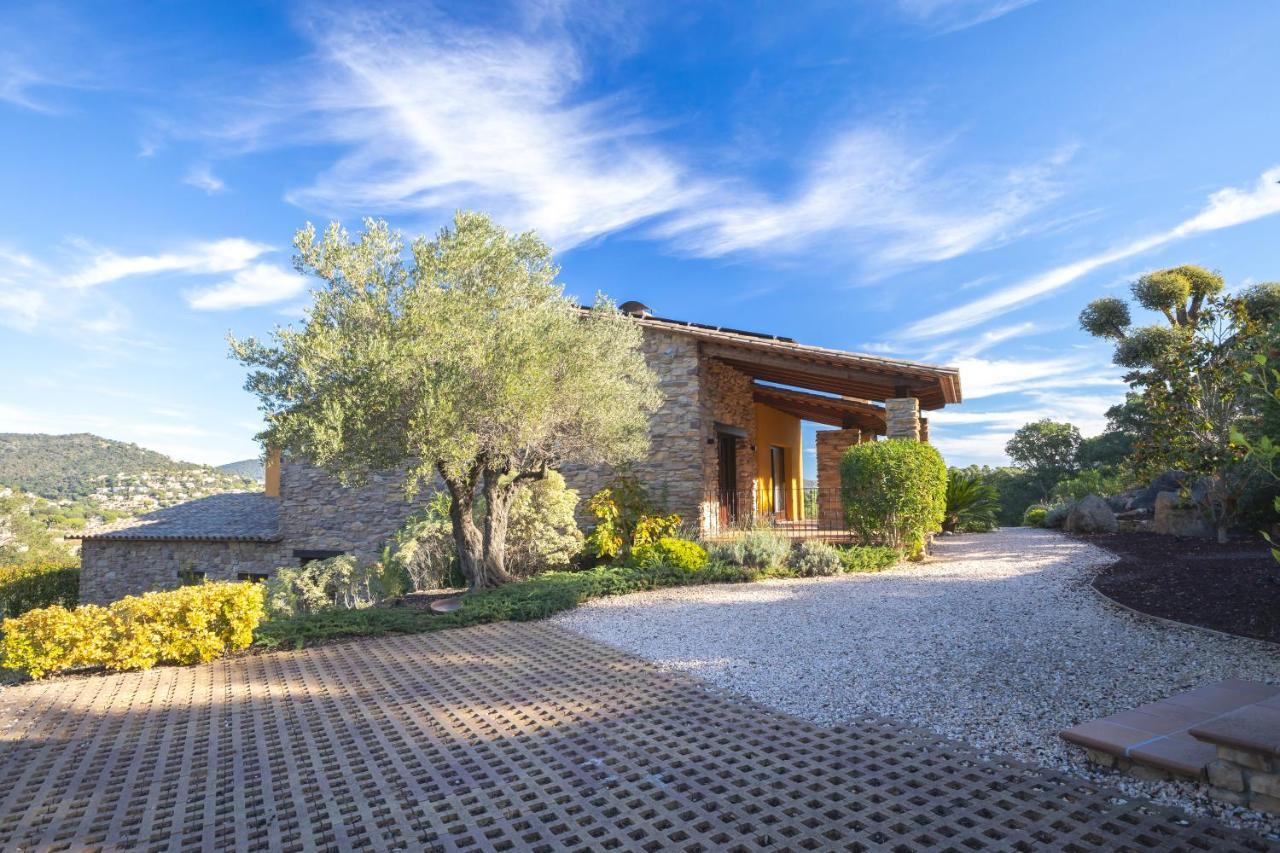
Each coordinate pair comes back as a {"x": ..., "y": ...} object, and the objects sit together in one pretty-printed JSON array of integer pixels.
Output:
[{"x": 509, "y": 737}]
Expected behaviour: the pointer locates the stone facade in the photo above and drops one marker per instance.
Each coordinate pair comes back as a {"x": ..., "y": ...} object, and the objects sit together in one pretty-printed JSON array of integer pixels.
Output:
[
  {"x": 113, "y": 569},
  {"x": 902, "y": 418},
  {"x": 671, "y": 470},
  {"x": 832, "y": 443},
  {"x": 317, "y": 513}
]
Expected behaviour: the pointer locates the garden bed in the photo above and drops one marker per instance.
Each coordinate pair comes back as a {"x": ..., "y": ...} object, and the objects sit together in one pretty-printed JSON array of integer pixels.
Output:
[{"x": 1234, "y": 588}]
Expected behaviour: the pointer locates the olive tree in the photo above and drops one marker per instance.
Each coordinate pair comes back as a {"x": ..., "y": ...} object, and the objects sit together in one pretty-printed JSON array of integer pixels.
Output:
[{"x": 464, "y": 362}]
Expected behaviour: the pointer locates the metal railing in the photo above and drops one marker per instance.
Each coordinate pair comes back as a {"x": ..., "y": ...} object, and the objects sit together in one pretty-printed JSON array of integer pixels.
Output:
[{"x": 810, "y": 513}]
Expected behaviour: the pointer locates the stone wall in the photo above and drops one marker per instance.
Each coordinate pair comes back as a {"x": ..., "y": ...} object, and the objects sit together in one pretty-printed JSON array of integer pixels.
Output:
[
  {"x": 671, "y": 470},
  {"x": 902, "y": 418},
  {"x": 114, "y": 568},
  {"x": 832, "y": 443},
  {"x": 727, "y": 397},
  {"x": 317, "y": 513}
]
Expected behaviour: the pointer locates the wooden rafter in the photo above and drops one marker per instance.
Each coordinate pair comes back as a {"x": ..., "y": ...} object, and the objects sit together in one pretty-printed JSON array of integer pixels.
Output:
[{"x": 832, "y": 411}]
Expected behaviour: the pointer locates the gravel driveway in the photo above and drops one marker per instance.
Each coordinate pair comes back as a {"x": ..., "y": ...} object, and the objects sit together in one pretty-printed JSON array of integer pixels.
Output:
[{"x": 998, "y": 642}]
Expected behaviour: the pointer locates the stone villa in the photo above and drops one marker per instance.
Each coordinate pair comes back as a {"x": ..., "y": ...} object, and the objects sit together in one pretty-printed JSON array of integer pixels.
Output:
[{"x": 726, "y": 448}]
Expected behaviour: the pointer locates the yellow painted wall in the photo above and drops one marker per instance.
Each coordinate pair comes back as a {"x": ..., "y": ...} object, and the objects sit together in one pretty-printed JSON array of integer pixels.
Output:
[{"x": 778, "y": 429}]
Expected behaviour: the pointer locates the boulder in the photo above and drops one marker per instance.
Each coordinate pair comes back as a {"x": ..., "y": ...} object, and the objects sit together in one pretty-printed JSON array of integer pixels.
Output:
[
  {"x": 1091, "y": 515},
  {"x": 1174, "y": 517},
  {"x": 1169, "y": 481}
]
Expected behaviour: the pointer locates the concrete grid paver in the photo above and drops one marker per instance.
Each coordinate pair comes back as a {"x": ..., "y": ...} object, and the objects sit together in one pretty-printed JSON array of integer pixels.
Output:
[{"x": 511, "y": 737}]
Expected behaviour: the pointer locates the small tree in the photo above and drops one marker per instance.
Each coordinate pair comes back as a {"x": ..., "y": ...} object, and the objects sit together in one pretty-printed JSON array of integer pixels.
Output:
[
  {"x": 1048, "y": 450},
  {"x": 468, "y": 363},
  {"x": 894, "y": 492},
  {"x": 1190, "y": 374}
]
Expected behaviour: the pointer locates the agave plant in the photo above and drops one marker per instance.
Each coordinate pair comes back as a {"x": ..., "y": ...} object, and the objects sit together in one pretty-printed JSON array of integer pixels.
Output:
[{"x": 971, "y": 503}]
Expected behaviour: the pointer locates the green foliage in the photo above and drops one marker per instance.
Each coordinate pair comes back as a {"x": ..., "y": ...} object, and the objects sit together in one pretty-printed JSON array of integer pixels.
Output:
[
  {"x": 669, "y": 551},
  {"x": 753, "y": 549},
  {"x": 542, "y": 531},
  {"x": 182, "y": 626},
  {"x": 1109, "y": 451},
  {"x": 1034, "y": 516},
  {"x": 38, "y": 583},
  {"x": 423, "y": 550},
  {"x": 1056, "y": 514},
  {"x": 24, "y": 537},
  {"x": 249, "y": 469},
  {"x": 536, "y": 598},
  {"x": 625, "y": 517},
  {"x": 1107, "y": 317},
  {"x": 72, "y": 467},
  {"x": 814, "y": 559},
  {"x": 867, "y": 558},
  {"x": 468, "y": 363},
  {"x": 894, "y": 492},
  {"x": 340, "y": 582},
  {"x": 1092, "y": 481},
  {"x": 1047, "y": 450},
  {"x": 972, "y": 504}
]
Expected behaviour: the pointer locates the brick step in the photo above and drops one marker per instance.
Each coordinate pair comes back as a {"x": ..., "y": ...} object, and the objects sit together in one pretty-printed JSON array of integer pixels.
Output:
[{"x": 1161, "y": 738}]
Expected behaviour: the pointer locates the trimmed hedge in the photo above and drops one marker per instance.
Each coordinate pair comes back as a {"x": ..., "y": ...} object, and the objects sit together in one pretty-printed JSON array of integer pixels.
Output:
[
  {"x": 44, "y": 583},
  {"x": 1035, "y": 515},
  {"x": 188, "y": 625},
  {"x": 894, "y": 492}
]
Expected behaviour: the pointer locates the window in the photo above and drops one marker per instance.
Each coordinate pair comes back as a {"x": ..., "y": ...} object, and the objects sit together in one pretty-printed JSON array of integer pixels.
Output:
[
  {"x": 305, "y": 556},
  {"x": 190, "y": 577},
  {"x": 255, "y": 577},
  {"x": 778, "y": 473}
]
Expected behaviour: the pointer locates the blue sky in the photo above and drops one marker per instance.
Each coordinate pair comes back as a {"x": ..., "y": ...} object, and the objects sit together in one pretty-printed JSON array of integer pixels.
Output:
[{"x": 947, "y": 180}]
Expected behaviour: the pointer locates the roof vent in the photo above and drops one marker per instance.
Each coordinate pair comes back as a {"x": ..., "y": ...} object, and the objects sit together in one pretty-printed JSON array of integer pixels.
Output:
[{"x": 635, "y": 309}]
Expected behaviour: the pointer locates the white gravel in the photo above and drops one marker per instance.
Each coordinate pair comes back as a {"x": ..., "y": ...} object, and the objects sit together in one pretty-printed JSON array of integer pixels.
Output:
[{"x": 997, "y": 641}]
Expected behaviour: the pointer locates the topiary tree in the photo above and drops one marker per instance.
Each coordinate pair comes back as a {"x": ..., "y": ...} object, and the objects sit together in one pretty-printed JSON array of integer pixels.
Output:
[
  {"x": 1190, "y": 374},
  {"x": 894, "y": 492},
  {"x": 467, "y": 363}
]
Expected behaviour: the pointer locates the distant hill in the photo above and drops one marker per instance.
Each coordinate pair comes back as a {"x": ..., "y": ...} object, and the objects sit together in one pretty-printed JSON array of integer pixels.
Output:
[
  {"x": 72, "y": 467},
  {"x": 249, "y": 468}
]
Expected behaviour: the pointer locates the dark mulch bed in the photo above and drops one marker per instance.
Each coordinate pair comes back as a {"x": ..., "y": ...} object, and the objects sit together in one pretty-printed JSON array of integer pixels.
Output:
[{"x": 1233, "y": 588}]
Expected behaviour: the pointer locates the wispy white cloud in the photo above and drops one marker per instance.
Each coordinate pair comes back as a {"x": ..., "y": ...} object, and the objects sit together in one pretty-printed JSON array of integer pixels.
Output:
[
  {"x": 260, "y": 284},
  {"x": 438, "y": 115},
  {"x": 991, "y": 377},
  {"x": 432, "y": 115},
  {"x": 869, "y": 188},
  {"x": 218, "y": 256},
  {"x": 1225, "y": 208},
  {"x": 953, "y": 15},
  {"x": 202, "y": 177},
  {"x": 981, "y": 435}
]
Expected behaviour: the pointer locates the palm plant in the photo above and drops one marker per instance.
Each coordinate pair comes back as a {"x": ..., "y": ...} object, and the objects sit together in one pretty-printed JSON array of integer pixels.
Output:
[{"x": 971, "y": 504}]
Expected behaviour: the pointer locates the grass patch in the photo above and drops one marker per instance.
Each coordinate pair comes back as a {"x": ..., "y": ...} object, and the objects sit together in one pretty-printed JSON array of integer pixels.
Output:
[{"x": 537, "y": 598}]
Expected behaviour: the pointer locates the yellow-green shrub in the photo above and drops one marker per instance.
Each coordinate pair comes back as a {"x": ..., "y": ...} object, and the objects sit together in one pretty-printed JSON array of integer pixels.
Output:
[
  {"x": 29, "y": 584},
  {"x": 669, "y": 551},
  {"x": 183, "y": 626}
]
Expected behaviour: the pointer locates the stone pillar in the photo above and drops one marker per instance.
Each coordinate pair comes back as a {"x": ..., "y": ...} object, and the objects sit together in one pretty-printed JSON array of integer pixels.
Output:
[
  {"x": 832, "y": 443},
  {"x": 924, "y": 430},
  {"x": 902, "y": 417}
]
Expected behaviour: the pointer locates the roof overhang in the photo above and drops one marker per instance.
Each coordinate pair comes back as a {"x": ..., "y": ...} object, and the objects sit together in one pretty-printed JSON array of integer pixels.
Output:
[
  {"x": 833, "y": 411},
  {"x": 846, "y": 374}
]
